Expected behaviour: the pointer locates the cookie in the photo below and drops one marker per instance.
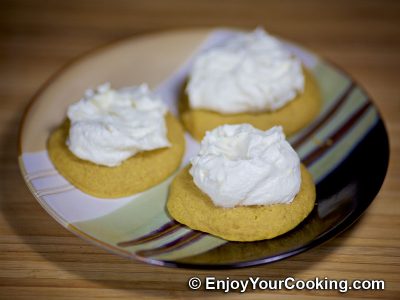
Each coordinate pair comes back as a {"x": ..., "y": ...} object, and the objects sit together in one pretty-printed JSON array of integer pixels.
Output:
[
  {"x": 134, "y": 175},
  {"x": 190, "y": 206},
  {"x": 293, "y": 116}
]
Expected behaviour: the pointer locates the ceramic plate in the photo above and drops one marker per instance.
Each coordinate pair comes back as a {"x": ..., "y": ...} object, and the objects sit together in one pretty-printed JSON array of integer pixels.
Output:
[{"x": 345, "y": 148}]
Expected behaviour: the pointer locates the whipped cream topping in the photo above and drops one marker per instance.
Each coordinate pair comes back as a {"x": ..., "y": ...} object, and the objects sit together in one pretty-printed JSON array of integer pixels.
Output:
[
  {"x": 109, "y": 126},
  {"x": 241, "y": 165},
  {"x": 250, "y": 72}
]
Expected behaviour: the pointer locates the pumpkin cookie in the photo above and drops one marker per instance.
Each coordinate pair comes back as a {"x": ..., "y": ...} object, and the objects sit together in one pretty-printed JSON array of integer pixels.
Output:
[
  {"x": 190, "y": 206},
  {"x": 293, "y": 116},
  {"x": 134, "y": 175}
]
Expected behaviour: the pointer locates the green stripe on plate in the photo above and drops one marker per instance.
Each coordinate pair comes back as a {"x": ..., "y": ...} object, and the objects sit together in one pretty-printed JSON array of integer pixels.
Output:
[{"x": 325, "y": 164}]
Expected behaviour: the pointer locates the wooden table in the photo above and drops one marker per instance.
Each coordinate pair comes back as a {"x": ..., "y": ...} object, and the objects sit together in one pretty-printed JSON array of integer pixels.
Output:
[{"x": 41, "y": 260}]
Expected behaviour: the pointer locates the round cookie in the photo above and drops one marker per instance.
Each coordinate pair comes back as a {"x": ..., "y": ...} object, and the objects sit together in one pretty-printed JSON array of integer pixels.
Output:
[
  {"x": 134, "y": 175},
  {"x": 190, "y": 206},
  {"x": 293, "y": 116}
]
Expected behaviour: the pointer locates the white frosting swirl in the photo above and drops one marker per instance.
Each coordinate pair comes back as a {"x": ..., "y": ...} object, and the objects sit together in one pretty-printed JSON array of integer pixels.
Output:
[
  {"x": 242, "y": 165},
  {"x": 250, "y": 72},
  {"x": 109, "y": 126}
]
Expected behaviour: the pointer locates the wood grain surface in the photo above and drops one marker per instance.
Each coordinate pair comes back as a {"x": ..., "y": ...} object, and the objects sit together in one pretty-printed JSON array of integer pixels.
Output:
[{"x": 41, "y": 260}]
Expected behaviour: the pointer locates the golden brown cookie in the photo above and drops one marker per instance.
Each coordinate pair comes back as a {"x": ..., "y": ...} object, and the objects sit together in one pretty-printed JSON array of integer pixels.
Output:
[
  {"x": 190, "y": 206},
  {"x": 134, "y": 175},
  {"x": 293, "y": 116}
]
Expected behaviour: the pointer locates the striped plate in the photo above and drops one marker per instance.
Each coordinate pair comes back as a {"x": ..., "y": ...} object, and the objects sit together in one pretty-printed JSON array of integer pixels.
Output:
[{"x": 345, "y": 148}]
